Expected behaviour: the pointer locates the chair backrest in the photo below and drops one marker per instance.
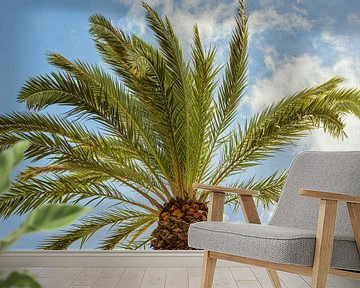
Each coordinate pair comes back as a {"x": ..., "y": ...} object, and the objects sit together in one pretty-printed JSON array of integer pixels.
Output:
[{"x": 326, "y": 171}]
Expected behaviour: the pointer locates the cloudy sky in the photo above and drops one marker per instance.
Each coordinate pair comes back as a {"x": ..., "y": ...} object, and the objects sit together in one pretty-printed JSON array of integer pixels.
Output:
[{"x": 294, "y": 44}]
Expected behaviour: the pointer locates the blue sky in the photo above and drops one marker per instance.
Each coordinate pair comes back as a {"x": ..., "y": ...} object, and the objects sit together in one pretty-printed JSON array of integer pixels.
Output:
[{"x": 294, "y": 44}]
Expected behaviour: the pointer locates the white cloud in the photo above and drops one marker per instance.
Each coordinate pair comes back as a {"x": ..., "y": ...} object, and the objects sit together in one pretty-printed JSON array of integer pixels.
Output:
[
  {"x": 269, "y": 19},
  {"x": 335, "y": 42},
  {"x": 354, "y": 19},
  {"x": 289, "y": 75},
  {"x": 293, "y": 73},
  {"x": 318, "y": 140},
  {"x": 300, "y": 10},
  {"x": 215, "y": 20},
  {"x": 135, "y": 21}
]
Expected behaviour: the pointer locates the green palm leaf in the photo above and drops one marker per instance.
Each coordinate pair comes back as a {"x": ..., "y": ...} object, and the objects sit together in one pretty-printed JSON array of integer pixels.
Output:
[{"x": 89, "y": 225}]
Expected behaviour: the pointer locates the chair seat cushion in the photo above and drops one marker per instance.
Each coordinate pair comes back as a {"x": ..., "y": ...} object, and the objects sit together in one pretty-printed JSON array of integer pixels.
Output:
[{"x": 270, "y": 243}]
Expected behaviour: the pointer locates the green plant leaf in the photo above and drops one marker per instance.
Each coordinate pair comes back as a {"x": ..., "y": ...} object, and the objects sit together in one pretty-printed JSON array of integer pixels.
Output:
[
  {"x": 9, "y": 159},
  {"x": 47, "y": 217},
  {"x": 51, "y": 216},
  {"x": 19, "y": 280},
  {"x": 10, "y": 239},
  {"x": 14, "y": 155}
]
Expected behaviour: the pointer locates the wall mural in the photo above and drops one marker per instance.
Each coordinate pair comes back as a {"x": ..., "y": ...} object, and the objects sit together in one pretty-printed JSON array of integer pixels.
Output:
[{"x": 124, "y": 109}]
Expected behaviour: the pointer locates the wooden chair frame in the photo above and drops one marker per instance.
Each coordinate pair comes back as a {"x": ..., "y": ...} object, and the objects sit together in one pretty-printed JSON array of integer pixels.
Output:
[{"x": 324, "y": 235}]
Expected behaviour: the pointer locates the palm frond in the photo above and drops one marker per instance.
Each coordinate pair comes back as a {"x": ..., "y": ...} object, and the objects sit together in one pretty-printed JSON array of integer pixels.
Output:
[
  {"x": 269, "y": 187},
  {"x": 25, "y": 196},
  {"x": 180, "y": 93},
  {"x": 129, "y": 231},
  {"x": 124, "y": 121},
  {"x": 203, "y": 74},
  {"x": 102, "y": 28},
  {"x": 90, "y": 225},
  {"x": 142, "y": 69},
  {"x": 233, "y": 85},
  {"x": 280, "y": 125}
]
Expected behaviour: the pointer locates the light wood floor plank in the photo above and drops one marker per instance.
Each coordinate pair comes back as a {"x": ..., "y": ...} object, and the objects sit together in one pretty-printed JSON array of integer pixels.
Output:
[
  {"x": 263, "y": 278},
  {"x": 87, "y": 277},
  {"x": 177, "y": 278},
  {"x": 154, "y": 278},
  {"x": 109, "y": 277},
  {"x": 112, "y": 272},
  {"x": 65, "y": 278},
  {"x": 224, "y": 278},
  {"x": 171, "y": 277},
  {"x": 243, "y": 274},
  {"x": 340, "y": 282},
  {"x": 108, "y": 282},
  {"x": 132, "y": 277},
  {"x": 293, "y": 280},
  {"x": 248, "y": 284},
  {"x": 308, "y": 280}
]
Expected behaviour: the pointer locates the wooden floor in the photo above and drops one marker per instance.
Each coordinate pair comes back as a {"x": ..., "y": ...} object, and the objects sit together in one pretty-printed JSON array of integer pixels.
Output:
[{"x": 170, "y": 277}]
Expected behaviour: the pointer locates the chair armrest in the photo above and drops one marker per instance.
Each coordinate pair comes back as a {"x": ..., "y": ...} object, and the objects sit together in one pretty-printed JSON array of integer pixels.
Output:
[
  {"x": 330, "y": 196},
  {"x": 327, "y": 218},
  {"x": 217, "y": 197},
  {"x": 220, "y": 189}
]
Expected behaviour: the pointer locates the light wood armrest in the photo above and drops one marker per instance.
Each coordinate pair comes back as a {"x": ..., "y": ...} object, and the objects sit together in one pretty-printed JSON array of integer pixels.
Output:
[
  {"x": 328, "y": 204},
  {"x": 216, "y": 202},
  {"x": 330, "y": 196},
  {"x": 220, "y": 189}
]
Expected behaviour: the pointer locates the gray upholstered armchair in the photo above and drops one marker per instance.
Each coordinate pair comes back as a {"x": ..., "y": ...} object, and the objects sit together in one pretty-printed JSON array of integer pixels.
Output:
[{"x": 312, "y": 232}]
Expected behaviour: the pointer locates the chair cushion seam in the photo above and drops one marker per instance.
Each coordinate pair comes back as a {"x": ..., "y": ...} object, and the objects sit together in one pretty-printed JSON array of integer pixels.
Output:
[
  {"x": 236, "y": 233},
  {"x": 297, "y": 238}
]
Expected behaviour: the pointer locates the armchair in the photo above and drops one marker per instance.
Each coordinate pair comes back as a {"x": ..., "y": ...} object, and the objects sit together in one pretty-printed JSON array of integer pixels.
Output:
[{"x": 312, "y": 232}]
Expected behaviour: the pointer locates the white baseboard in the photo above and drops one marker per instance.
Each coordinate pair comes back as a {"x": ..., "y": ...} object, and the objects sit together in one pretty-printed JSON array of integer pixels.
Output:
[{"x": 95, "y": 258}]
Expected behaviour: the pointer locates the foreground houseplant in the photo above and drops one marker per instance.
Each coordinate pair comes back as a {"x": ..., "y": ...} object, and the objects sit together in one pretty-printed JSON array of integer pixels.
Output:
[
  {"x": 49, "y": 216},
  {"x": 161, "y": 124}
]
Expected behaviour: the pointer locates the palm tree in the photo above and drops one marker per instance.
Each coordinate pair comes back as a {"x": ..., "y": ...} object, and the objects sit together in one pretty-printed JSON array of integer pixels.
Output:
[{"x": 141, "y": 135}]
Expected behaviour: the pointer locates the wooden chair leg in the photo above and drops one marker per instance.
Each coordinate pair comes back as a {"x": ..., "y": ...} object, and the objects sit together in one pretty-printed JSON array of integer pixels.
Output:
[
  {"x": 216, "y": 213},
  {"x": 354, "y": 212},
  {"x": 274, "y": 278},
  {"x": 208, "y": 270},
  {"x": 324, "y": 243}
]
